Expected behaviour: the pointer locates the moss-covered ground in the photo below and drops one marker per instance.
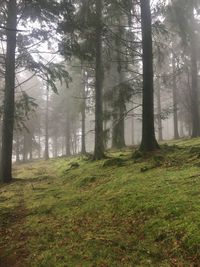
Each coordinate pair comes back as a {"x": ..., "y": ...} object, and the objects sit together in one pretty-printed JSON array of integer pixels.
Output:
[{"x": 123, "y": 211}]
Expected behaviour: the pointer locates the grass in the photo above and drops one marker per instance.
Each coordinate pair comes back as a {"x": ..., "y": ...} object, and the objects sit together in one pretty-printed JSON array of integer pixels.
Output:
[{"x": 144, "y": 212}]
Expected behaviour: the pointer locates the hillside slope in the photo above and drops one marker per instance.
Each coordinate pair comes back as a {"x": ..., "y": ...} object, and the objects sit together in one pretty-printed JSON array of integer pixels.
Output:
[{"x": 116, "y": 212}]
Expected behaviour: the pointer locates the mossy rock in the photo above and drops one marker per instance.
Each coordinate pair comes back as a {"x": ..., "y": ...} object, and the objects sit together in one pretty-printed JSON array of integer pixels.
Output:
[
  {"x": 137, "y": 155},
  {"x": 87, "y": 181},
  {"x": 88, "y": 157},
  {"x": 114, "y": 162},
  {"x": 145, "y": 169},
  {"x": 74, "y": 165},
  {"x": 158, "y": 160},
  {"x": 194, "y": 150},
  {"x": 171, "y": 148}
]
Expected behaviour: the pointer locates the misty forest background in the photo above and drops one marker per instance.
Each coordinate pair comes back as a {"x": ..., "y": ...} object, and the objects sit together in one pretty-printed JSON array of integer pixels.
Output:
[
  {"x": 99, "y": 133},
  {"x": 77, "y": 76}
]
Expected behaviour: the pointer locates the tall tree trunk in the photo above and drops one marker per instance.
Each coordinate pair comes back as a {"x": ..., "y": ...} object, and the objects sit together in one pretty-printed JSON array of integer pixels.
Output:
[
  {"x": 99, "y": 146},
  {"x": 118, "y": 136},
  {"x": 194, "y": 75},
  {"x": 9, "y": 97},
  {"x": 120, "y": 106},
  {"x": 149, "y": 142},
  {"x": 30, "y": 146},
  {"x": 68, "y": 134},
  {"x": 133, "y": 127},
  {"x": 25, "y": 147},
  {"x": 175, "y": 105},
  {"x": 62, "y": 145},
  {"x": 46, "y": 149},
  {"x": 83, "y": 114},
  {"x": 39, "y": 142},
  {"x": 160, "y": 133},
  {"x": 17, "y": 148},
  {"x": 55, "y": 146}
]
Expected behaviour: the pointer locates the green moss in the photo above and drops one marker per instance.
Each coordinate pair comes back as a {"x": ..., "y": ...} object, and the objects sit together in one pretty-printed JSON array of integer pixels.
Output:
[{"x": 106, "y": 216}]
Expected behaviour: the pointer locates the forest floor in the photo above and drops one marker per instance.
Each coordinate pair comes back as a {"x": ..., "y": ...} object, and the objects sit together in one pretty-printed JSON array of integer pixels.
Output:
[{"x": 121, "y": 211}]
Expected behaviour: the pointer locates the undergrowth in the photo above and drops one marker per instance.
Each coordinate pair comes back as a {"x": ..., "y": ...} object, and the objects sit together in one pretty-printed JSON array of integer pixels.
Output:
[{"x": 121, "y": 211}]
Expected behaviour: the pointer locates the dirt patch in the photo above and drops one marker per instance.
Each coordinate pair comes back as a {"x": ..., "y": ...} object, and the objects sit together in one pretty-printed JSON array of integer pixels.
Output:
[{"x": 13, "y": 249}]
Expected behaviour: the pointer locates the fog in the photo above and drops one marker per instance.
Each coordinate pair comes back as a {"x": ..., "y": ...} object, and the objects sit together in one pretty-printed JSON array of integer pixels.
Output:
[{"x": 55, "y": 81}]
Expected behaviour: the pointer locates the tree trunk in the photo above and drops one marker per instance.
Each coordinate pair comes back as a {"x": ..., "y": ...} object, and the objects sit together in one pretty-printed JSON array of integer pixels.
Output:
[
  {"x": 194, "y": 75},
  {"x": 30, "y": 146},
  {"x": 9, "y": 97},
  {"x": 17, "y": 148},
  {"x": 68, "y": 134},
  {"x": 25, "y": 148},
  {"x": 133, "y": 127},
  {"x": 83, "y": 115},
  {"x": 160, "y": 134},
  {"x": 149, "y": 142},
  {"x": 39, "y": 142},
  {"x": 99, "y": 146},
  {"x": 55, "y": 146},
  {"x": 175, "y": 105},
  {"x": 118, "y": 138},
  {"x": 46, "y": 150}
]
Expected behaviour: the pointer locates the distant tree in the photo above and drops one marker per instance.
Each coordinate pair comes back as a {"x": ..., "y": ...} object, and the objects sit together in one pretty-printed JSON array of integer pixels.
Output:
[{"x": 182, "y": 16}]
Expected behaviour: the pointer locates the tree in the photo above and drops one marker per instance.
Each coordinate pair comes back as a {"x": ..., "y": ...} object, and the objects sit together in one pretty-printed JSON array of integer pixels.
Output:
[
  {"x": 24, "y": 10},
  {"x": 149, "y": 142},
  {"x": 9, "y": 98},
  {"x": 182, "y": 17},
  {"x": 99, "y": 145},
  {"x": 46, "y": 122},
  {"x": 175, "y": 104}
]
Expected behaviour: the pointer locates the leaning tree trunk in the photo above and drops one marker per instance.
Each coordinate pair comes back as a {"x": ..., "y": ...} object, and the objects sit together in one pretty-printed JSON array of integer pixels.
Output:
[
  {"x": 99, "y": 145},
  {"x": 149, "y": 142},
  {"x": 9, "y": 98}
]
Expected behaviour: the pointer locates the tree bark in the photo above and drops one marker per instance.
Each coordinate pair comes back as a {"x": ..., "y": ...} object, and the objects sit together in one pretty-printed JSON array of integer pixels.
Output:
[
  {"x": 17, "y": 148},
  {"x": 25, "y": 147},
  {"x": 30, "y": 146},
  {"x": 194, "y": 75},
  {"x": 46, "y": 150},
  {"x": 149, "y": 142},
  {"x": 118, "y": 138},
  {"x": 39, "y": 141},
  {"x": 99, "y": 145},
  {"x": 160, "y": 133},
  {"x": 9, "y": 97},
  {"x": 133, "y": 127},
  {"x": 175, "y": 105},
  {"x": 83, "y": 115},
  {"x": 120, "y": 107},
  {"x": 55, "y": 146},
  {"x": 68, "y": 134}
]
